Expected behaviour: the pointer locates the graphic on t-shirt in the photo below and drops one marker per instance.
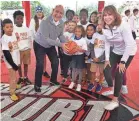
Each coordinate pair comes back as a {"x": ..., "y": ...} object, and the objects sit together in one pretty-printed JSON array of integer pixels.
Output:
[
  {"x": 23, "y": 36},
  {"x": 98, "y": 47},
  {"x": 13, "y": 45}
]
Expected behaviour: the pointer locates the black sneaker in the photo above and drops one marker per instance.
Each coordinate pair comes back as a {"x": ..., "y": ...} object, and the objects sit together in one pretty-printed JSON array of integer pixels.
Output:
[
  {"x": 37, "y": 89},
  {"x": 46, "y": 74},
  {"x": 20, "y": 80},
  {"x": 27, "y": 81}
]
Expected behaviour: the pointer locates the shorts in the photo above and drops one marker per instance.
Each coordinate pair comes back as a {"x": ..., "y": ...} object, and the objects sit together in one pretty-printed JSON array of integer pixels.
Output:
[
  {"x": 95, "y": 66},
  {"x": 25, "y": 56}
]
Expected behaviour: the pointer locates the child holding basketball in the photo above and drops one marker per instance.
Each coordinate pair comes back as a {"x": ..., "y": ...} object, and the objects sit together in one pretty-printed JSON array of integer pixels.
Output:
[
  {"x": 66, "y": 57},
  {"x": 11, "y": 53},
  {"x": 98, "y": 56},
  {"x": 78, "y": 62}
]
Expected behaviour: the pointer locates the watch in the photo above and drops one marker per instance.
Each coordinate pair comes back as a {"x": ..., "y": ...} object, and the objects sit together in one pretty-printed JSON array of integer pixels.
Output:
[{"x": 123, "y": 62}]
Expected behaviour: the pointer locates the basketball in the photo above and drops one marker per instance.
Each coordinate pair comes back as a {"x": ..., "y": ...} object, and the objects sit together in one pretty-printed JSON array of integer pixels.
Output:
[{"x": 72, "y": 47}]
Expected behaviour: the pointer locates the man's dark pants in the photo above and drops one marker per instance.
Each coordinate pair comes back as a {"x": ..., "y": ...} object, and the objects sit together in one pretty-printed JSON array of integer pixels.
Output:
[{"x": 40, "y": 52}]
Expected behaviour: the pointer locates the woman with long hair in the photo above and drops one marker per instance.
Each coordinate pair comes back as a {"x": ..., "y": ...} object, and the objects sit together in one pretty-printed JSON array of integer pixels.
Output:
[
  {"x": 118, "y": 34},
  {"x": 34, "y": 25}
]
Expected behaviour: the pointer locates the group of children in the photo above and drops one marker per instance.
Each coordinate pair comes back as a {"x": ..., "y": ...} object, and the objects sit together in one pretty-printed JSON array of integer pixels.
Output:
[
  {"x": 84, "y": 64},
  {"x": 16, "y": 46},
  {"x": 90, "y": 56}
]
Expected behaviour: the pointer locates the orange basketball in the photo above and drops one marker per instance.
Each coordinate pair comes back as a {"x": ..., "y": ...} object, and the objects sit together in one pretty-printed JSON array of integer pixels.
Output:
[{"x": 72, "y": 47}]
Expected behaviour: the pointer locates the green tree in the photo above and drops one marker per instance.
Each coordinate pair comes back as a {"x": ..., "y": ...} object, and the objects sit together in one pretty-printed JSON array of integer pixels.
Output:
[{"x": 10, "y": 5}]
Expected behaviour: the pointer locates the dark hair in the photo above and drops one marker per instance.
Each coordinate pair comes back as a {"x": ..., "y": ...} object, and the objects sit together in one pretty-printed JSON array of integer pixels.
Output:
[
  {"x": 135, "y": 10},
  {"x": 127, "y": 11},
  {"x": 37, "y": 22},
  {"x": 94, "y": 12},
  {"x": 82, "y": 29},
  {"x": 84, "y": 10},
  {"x": 16, "y": 13},
  {"x": 91, "y": 25},
  {"x": 110, "y": 9},
  {"x": 4, "y": 22},
  {"x": 68, "y": 11}
]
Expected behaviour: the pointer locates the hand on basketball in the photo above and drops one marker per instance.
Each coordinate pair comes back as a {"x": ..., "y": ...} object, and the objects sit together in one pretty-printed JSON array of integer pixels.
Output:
[
  {"x": 107, "y": 63},
  {"x": 122, "y": 68},
  {"x": 65, "y": 48},
  {"x": 80, "y": 49}
]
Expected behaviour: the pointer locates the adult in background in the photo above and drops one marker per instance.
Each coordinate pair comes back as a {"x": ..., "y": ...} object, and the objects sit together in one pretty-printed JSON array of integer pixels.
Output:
[
  {"x": 34, "y": 25},
  {"x": 50, "y": 29},
  {"x": 93, "y": 18},
  {"x": 118, "y": 34}
]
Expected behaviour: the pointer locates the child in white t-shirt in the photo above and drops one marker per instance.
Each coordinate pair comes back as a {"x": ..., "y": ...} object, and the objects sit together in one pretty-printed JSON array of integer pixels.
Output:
[
  {"x": 67, "y": 58},
  {"x": 78, "y": 61},
  {"x": 11, "y": 53},
  {"x": 24, "y": 36},
  {"x": 90, "y": 30},
  {"x": 98, "y": 56}
]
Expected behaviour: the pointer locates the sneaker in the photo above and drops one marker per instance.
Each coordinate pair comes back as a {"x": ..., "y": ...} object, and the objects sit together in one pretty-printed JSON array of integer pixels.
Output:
[
  {"x": 78, "y": 88},
  {"x": 124, "y": 89},
  {"x": 111, "y": 106},
  {"x": 107, "y": 93},
  {"x": 37, "y": 89},
  {"x": 14, "y": 97},
  {"x": 46, "y": 74},
  {"x": 98, "y": 88},
  {"x": 91, "y": 86},
  {"x": 20, "y": 80},
  {"x": 104, "y": 83},
  {"x": 71, "y": 85},
  {"x": 27, "y": 81},
  {"x": 18, "y": 86}
]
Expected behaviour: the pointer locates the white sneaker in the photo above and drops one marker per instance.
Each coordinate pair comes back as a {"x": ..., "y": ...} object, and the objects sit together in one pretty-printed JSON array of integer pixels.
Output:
[
  {"x": 78, "y": 88},
  {"x": 107, "y": 93},
  {"x": 124, "y": 89},
  {"x": 112, "y": 105},
  {"x": 71, "y": 85},
  {"x": 104, "y": 83}
]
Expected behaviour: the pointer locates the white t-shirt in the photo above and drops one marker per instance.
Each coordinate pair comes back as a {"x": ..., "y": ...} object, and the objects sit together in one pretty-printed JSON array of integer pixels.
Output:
[
  {"x": 68, "y": 35},
  {"x": 82, "y": 43},
  {"x": 15, "y": 51},
  {"x": 25, "y": 38},
  {"x": 88, "y": 41},
  {"x": 32, "y": 27},
  {"x": 99, "y": 47}
]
